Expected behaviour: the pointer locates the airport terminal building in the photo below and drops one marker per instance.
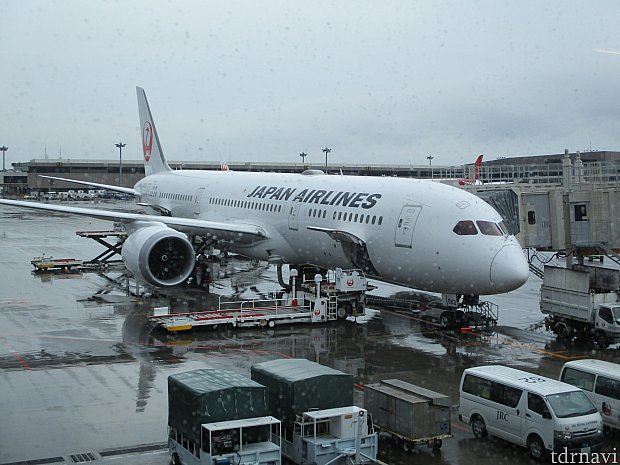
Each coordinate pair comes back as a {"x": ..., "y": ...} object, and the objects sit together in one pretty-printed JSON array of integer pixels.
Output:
[{"x": 26, "y": 176}]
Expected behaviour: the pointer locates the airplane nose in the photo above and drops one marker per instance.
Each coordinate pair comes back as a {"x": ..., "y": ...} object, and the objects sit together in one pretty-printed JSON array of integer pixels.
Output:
[{"x": 509, "y": 269}]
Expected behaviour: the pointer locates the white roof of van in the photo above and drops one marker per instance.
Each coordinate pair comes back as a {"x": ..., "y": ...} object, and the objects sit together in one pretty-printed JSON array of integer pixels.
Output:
[
  {"x": 595, "y": 366},
  {"x": 518, "y": 378}
]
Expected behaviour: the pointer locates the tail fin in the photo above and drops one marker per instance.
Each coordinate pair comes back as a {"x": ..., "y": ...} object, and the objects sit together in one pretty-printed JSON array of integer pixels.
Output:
[
  {"x": 477, "y": 167},
  {"x": 154, "y": 161}
]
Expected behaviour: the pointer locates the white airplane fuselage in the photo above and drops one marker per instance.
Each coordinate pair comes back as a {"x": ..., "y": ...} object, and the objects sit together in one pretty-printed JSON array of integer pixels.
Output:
[
  {"x": 400, "y": 230},
  {"x": 421, "y": 234}
]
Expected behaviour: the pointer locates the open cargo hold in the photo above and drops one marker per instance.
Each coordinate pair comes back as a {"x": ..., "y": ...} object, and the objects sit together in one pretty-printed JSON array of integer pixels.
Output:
[
  {"x": 297, "y": 386},
  {"x": 212, "y": 395}
]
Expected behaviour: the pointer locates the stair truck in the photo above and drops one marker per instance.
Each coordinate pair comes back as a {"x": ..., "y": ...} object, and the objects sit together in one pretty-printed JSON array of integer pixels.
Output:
[
  {"x": 409, "y": 414},
  {"x": 219, "y": 417},
  {"x": 320, "y": 424},
  {"x": 583, "y": 302}
]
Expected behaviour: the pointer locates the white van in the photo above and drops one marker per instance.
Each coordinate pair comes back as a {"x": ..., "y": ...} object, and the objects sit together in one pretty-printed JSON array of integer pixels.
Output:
[
  {"x": 539, "y": 413},
  {"x": 601, "y": 382}
]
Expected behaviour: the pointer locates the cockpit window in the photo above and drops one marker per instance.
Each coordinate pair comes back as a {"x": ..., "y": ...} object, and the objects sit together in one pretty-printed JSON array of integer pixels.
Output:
[
  {"x": 489, "y": 229},
  {"x": 465, "y": 228},
  {"x": 504, "y": 228}
]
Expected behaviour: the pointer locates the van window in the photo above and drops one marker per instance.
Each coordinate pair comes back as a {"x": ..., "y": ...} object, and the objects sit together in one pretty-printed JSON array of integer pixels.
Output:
[
  {"x": 505, "y": 395},
  {"x": 536, "y": 403},
  {"x": 477, "y": 386},
  {"x": 571, "y": 404},
  {"x": 608, "y": 387},
  {"x": 578, "y": 378},
  {"x": 497, "y": 392}
]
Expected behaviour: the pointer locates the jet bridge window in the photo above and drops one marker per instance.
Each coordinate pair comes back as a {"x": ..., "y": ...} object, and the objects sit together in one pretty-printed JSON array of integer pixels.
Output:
[
  {"x": 465, "y": 228},
  {"x": 488, "y": 228}
]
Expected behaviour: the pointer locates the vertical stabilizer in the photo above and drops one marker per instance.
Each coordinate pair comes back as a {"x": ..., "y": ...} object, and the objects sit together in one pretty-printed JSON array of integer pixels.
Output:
[{"x": 154, "y": 161}]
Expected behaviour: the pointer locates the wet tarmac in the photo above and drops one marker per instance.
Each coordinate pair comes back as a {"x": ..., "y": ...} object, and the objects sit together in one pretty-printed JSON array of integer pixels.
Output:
[{"x": 82, "y": 371}]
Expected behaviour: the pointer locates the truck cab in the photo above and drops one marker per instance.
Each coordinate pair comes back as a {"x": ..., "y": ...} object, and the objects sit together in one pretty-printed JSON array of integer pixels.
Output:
[{"x": 607, "y": 325}]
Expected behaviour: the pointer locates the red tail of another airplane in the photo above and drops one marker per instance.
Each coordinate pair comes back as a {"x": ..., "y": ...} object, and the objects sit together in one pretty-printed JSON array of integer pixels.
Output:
[{"x": 477, "y": 165}]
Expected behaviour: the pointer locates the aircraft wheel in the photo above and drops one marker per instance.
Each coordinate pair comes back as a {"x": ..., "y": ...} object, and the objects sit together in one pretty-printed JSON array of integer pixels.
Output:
[
  {"x": 341, "y": 312},
  {"x": 271, "y": 323}
]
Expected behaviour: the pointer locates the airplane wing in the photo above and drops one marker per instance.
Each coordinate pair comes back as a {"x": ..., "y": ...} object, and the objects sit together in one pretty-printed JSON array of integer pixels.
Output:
[
  {"x": 240, "y": 233},
  {"x": 124, "y": 190}
]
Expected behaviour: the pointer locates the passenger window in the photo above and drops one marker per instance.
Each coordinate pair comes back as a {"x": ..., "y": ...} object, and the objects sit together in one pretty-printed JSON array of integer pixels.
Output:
[
  {"x": 608, "y": 387},
  {"x": 535, "y": 403},
  {"x": 505, "y": 395},
  {"x": 477, "y": 386},
  {"x": 465, "y": 228},
  {"x": 578, "y": 378},
  {"x": 489, "y": 229}
]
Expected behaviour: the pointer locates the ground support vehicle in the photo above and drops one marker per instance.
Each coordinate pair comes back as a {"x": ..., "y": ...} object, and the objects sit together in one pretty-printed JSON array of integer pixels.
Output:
[
  {"x": 600, "y": 380},
  {"x": 314, "y": 303},
  {"x": 217, "y": 416},
  {"x": 249, "y": 441},
  {"x": 409, "y": 414},
  {"x": 339, "y": 435},
  {"x": 542, "y": 414},
  {"x": 50, "y": 263},
  {"x": 582, "y": 303}
]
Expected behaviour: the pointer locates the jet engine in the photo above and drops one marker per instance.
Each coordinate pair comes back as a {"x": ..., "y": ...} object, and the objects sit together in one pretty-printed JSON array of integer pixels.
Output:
[{"x": 159, "y": 255}]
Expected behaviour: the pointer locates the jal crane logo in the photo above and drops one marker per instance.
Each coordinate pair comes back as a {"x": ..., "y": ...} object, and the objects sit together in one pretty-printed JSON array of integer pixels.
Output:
[{"x": 147, "y": 140}]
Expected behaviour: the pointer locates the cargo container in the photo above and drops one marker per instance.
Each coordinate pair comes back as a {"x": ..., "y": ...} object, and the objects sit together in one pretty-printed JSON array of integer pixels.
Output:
[
  {"x": 198, "y": 401},
  {"x": 297, "y": 386},
  {"x": 409, "y": 414}
]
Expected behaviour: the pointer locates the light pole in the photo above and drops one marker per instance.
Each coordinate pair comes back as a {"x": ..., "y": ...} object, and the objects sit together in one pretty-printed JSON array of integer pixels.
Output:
[
  {"x": 3, "y": 149},
  {"x": 430, "y": 160},
  {"x": 120, "y": 146},
  {"x": 303, "y": 156},
  {"x": 326, "y": 151}
]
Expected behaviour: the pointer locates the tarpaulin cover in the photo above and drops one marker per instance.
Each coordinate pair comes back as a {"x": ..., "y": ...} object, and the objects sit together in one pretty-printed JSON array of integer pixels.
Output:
[
  {"x": 210, "y": 395},
  {"x": 298, "y": 385}
]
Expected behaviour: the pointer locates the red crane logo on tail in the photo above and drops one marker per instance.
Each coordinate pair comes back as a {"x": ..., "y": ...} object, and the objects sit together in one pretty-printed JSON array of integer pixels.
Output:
[{"x": 147, "y": 140}]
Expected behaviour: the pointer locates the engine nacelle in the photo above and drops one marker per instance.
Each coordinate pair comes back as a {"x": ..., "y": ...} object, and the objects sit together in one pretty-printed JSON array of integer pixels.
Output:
[{"x": 159, "y": 255}]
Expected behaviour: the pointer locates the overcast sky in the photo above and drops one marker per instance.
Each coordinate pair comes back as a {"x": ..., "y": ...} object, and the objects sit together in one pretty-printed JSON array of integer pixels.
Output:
[{"x": 377, "y": 82}]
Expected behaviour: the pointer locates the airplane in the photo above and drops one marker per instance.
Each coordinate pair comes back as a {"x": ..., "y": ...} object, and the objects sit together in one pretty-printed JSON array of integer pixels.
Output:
[{"x": 416, "y": 233}]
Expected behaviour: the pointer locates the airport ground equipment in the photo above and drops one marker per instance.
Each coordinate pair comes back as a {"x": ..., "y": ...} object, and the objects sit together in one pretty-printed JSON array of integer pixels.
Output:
[
  {"x": 338, "y": 435},
  {"x": 583, "y": 302},
  {"x": 320, "y": 424},
  {"x": 409, "y": 414},
  {"x": 44, "y": 263},
  {"x": 199, "y": 401},
  {"x": 320, "y": 301}
]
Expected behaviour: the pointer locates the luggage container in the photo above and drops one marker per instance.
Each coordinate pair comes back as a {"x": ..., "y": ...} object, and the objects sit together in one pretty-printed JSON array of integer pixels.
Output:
[
  {"x": 410, "y": 414},
  {"x": 208, "y": 396},
  {"x": 297, "y": 386}
]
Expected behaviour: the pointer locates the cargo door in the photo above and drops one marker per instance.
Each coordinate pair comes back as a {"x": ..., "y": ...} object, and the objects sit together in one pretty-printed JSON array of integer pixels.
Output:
[
  {"x": 293, "y": 216},
  {"x": 406, "y": 225}
]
